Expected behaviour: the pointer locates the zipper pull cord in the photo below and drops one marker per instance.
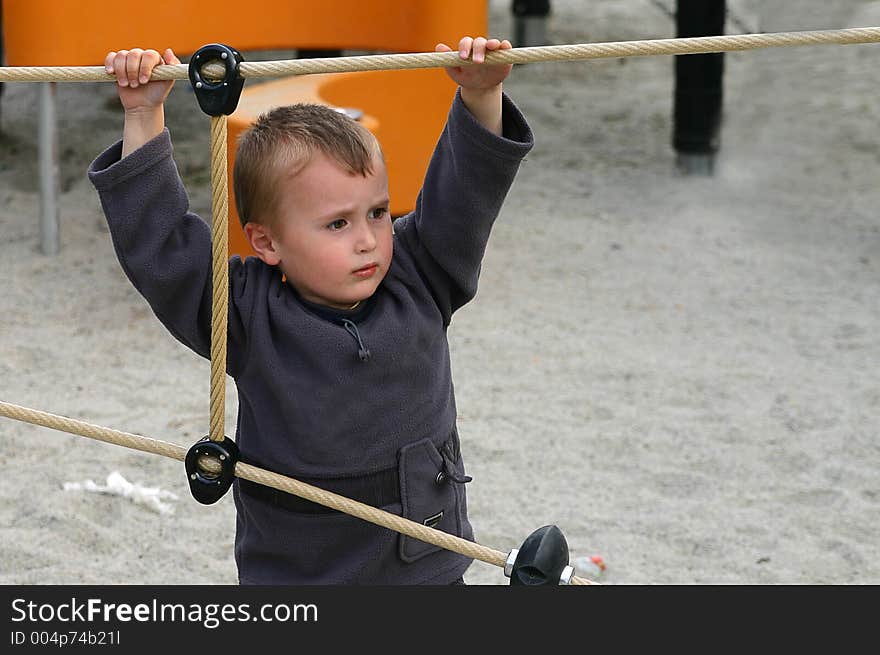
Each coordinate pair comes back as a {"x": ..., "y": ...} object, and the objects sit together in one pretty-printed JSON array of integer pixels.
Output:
[
  {"x": 449, "y": 465},
  {"x": 352, "y": 329}
]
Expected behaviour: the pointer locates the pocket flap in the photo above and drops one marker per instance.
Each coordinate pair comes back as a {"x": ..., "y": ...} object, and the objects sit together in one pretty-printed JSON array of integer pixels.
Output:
[{"x": 426, "y": 496}]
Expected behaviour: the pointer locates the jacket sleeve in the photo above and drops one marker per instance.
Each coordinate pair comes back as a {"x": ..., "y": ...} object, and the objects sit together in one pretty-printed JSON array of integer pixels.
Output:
[
  {"x": 467, "y": 180},
  {"x": 164, "y": 248}
]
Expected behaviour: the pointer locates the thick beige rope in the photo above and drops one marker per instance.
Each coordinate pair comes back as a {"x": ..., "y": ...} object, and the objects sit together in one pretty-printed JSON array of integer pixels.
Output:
[
  {"x": 261, "y": 476},
  {"x": 682, "y": 46},
  {"x": 220, "y": 265}
]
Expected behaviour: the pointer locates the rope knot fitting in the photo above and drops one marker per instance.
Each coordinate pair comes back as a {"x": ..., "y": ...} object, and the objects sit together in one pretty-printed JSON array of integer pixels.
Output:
[
  {"x": 541, "y": 560},
  {"x": 217, "y": 97},
  {"x": 210, "y": 468}
]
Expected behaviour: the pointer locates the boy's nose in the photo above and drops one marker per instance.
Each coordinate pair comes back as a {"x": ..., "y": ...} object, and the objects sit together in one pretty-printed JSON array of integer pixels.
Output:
[{"x": 366, "y": 239}]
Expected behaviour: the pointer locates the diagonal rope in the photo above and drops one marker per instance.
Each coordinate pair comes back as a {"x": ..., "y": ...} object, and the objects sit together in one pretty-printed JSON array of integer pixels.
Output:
[
  {"x": 274, "y": 480},
  {"x": 584, "y": 51}
]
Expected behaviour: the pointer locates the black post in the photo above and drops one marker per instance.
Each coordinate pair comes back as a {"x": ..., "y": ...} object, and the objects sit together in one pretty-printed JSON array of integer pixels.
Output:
[
  {"x": 698, "y": 88},
  {"x": 317, "y": 54},
  {"x": 530, "y": 22}
]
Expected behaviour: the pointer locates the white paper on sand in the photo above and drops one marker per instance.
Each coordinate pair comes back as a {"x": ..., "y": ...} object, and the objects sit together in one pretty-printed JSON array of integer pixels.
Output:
[{"x": 150, "y": 497}]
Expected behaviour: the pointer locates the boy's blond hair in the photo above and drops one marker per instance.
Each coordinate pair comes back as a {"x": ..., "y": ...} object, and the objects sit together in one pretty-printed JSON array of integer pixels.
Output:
[{"x": 283, "y": 140}]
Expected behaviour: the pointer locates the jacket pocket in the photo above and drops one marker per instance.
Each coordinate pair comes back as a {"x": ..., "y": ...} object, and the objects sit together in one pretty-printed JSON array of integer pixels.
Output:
[{"x": 427, "y": 496}]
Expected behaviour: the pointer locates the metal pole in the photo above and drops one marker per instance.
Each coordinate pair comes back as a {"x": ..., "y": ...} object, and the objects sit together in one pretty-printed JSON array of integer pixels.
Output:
[
  {"x": 698, "y": 88},
  {"x": 48, "y": 164}
]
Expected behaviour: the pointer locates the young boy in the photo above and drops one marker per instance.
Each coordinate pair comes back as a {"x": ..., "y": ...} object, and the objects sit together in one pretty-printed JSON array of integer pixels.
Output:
[{"x": 337, "y": 328}]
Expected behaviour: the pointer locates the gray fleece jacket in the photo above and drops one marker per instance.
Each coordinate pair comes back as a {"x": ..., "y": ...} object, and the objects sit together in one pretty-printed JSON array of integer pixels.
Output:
[{"x": 309, "y": 406}]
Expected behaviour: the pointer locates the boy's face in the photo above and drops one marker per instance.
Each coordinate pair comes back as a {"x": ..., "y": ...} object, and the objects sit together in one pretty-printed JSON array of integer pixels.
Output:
[{"x": 332, "y": 236}]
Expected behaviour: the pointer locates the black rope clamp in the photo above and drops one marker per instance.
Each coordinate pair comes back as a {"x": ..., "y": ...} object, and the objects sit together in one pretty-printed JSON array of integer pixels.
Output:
[
  {"x": 208, "y": 487},
  {"x": 542, "y": 559},
  {"x": 216, "y": 98}
]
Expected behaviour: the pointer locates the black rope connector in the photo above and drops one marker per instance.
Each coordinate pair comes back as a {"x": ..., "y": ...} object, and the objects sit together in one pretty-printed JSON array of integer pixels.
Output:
[
  {"x": 217, "y": 98},
  {"x": 542, "y": 560},
  {"x": 208, "y": 487}
]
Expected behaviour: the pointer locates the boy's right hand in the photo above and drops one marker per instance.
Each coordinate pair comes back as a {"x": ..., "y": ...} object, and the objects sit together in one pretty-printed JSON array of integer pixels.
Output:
[{"x": 133, "y": 69}]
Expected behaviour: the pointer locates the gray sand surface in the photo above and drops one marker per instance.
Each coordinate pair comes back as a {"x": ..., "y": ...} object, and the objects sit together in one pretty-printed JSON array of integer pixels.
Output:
[{"x": 679, "y": 372}]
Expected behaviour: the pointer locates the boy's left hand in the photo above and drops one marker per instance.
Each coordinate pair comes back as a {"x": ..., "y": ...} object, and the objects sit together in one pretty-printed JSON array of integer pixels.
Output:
[{"x": 477, "y": 77}]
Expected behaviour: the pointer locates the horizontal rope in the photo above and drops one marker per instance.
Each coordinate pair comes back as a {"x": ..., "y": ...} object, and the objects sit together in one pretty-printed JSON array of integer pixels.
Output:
[
  {"x": 270, "y": 479},
  {"x": 613, "y": 49}
]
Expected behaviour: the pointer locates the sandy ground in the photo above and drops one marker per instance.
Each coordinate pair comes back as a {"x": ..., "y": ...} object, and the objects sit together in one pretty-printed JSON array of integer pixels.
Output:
[{"x": 679, "y": 372}]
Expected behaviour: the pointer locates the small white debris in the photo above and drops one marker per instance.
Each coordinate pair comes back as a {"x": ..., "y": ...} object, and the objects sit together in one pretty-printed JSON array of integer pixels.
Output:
[{"x": 150, "y": 497}]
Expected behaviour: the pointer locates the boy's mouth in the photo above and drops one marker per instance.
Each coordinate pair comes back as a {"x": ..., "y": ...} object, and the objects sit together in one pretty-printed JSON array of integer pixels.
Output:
[{"x": 366, "y": 271}]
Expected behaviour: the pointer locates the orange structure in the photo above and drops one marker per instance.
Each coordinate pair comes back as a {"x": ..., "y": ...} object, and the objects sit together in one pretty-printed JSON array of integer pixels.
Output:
[{"x": 405, "y": 109}]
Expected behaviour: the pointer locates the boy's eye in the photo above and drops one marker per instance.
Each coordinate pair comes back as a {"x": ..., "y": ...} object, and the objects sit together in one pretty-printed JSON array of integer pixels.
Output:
[
  {"x": 338, "y": 224},
  {"x": 379, "y": 212}
]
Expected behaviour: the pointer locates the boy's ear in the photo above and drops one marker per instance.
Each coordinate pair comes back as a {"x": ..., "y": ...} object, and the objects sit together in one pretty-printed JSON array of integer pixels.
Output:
[{"x": 261, "y": 241}]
